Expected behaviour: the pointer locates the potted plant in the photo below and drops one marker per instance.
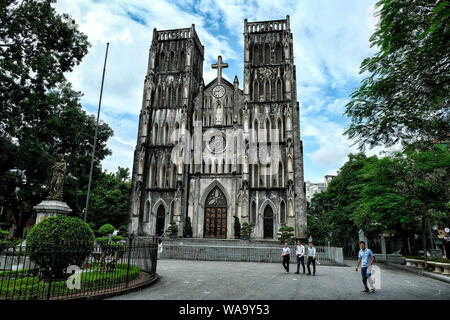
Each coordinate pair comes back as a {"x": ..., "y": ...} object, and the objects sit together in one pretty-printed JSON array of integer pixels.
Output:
[
  {"x": 237, "y": 228},
  {"x": 188, "y": 228},
  {"x": 173, "y": 229},
  {"x": 286, "y": 234},
  {"x": 246, "y": 230}
]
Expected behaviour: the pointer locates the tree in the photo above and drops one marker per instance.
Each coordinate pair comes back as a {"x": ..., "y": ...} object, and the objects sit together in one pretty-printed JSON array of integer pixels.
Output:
[
  {"x": 404, "y": 190},
  {"x": 405, "y": 98},
  {"x": 40, "y": 114},
  {"x": 330, "y": 215},
  {"x": 109, "y": 199}
]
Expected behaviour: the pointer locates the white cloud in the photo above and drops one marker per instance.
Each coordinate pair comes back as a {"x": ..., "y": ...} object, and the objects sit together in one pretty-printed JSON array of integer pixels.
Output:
[{"x": 330, "y": 41}]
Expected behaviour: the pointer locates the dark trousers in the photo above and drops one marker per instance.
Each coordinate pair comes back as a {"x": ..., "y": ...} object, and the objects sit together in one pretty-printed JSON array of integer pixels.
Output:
[
  {"x": 365, "y": 276},
  {"x": 286, "y": 262},
  {"x": 313, "y": 261},
  {"x": 302, "y": 261}
]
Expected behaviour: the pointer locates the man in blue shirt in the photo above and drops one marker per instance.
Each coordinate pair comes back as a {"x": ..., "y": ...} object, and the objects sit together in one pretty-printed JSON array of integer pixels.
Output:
[{"x": 365, "y": 259}]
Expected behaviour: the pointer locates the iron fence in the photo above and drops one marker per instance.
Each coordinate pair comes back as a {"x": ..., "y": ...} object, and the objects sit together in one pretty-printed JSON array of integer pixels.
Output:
[
  {"x": 324, "y": 254},
  {"x": 75, "y": 270}
]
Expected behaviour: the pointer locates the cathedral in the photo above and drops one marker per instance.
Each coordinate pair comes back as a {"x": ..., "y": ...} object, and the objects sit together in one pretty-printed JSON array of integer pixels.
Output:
[{"x": 216, "y": 152}]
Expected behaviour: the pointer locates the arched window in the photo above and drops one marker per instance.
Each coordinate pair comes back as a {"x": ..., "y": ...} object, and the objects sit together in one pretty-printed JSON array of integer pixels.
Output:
[
  {"x": 255, "y": 176},
  {"x": 169, "y": 96},
  {"x": 255, "y": 90},
  {"x": 267, "y": 54},
  {"x": 162, "y": 62},
  {"x": 279, "y": 90},
  {"x": 152, "y": 176},
  {"x": 282, "y": 213},
  {"x": 158, "y": 96},
  {"x": 179, "y": 99},
  {"x": 253, "y": 213},
  {"x": 172, "y": 61},
  {"x": 278, "y": 53},
  {"x": 267, "y": 130},
  {"x": 280, "y": 175},
  {"x": 182, "y": 61},
  {"x": 255, "y": 131},
  {"x": 256, "y": 60},
  {"x": 147, "y": 211},
  {"x": 267, "y": 90},
  {"x": 173, "y": 182},
  {"x": 162, "y": 177},
  {"x": 267, "y": 183},
  {"x": 155, "y": 134},
  {"x": 280, "y": 130},
  {"x": 240, "y": 118},
  {"x": 166, "y": 133}
]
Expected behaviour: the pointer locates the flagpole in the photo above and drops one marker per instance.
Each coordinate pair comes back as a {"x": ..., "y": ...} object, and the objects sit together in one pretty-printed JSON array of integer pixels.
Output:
[{"x": 95, "y": 137}]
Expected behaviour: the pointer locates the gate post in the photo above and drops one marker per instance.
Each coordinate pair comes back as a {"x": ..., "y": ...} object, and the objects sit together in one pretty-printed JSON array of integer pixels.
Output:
[{"x": 130, "y": 242}]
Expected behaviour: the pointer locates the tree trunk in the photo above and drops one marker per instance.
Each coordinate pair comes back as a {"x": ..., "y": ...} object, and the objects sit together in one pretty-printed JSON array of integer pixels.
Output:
[{"x": 424, "y": 241}]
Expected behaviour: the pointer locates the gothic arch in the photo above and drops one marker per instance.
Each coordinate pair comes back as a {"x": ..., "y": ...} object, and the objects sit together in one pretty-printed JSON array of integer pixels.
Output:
[
  {"x": 283, "y": 215},
  {"x": 157, "y": 204},
  {"x": 267, "y": 202},
  {"x": 214, "y": 184}
]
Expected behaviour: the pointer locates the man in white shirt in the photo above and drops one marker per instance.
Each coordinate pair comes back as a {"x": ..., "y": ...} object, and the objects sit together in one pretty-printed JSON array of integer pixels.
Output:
[
  {"x": 311, "y": 259},
  {"x": 300, "y": 253},
  {"x": 286, "y": 254}
]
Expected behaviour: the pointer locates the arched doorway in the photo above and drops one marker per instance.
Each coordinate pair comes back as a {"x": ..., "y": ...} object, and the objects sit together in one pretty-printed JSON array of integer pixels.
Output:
[
  {"x": 160, "y": 220},
  {"x": 216, "y": 215},
  {"x": 268, "y": 222}
]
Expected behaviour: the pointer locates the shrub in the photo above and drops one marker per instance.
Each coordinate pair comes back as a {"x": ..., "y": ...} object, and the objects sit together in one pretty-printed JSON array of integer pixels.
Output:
[
  {"x": 237, "y": 227},
  {"x": 4, "y": 234},
  {"x": 173, "y": 228},
  {"x": 246, "y": 229},
  {"x": 106, "y": 229},
  {"x": 188, "y": 227},
  {"x": 68, "y": 239},
  {"x": 286, "y": 234}
]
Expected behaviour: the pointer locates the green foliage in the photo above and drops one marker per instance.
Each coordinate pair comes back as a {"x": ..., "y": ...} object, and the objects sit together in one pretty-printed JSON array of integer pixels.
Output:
[
  {"x": 55, "y": 235},
  {"x": 116, "y": 238},
  {"x": 106, "y": 229},
  {"x": 4, "y": 234},
  {"x": 109, "y": 199},
  {"x": 286, "y": 234},
  {"x": 40, "y": 113},
  {"x": 173, "y": 228},
  {"x": 330, "y": 213},
  {"x": 406, "y": 95},
  {"x": 188, "y": 227},
  {"x": 246, "y": 229},
  {"x": 237, "y": 227}
]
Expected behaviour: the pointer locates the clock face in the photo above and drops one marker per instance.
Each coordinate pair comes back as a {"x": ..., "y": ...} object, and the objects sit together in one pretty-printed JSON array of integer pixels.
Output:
[{"x": 218, "y": 91}]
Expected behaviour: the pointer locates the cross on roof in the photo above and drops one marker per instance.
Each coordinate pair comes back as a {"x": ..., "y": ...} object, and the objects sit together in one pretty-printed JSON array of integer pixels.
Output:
[{"x": 219, "y": 65}]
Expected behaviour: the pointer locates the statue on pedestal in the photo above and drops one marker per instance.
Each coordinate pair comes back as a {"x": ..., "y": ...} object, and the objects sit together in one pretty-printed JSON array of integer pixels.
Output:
[{"x": 57, "y": 183}]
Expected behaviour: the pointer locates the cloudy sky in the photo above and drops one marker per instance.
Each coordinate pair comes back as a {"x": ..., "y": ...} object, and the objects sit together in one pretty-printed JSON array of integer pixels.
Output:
[{"x": 331, "y": 38}]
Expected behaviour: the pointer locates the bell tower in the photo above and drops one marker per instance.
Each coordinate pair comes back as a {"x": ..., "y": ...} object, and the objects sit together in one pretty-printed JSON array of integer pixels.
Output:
[{"x": 174, "y": 76}]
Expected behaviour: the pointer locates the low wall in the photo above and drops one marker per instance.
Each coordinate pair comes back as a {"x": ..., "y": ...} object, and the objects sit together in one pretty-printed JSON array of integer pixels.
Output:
[
  {"x": 253, "y": 253},
  {"x": 391, "y": 258}
]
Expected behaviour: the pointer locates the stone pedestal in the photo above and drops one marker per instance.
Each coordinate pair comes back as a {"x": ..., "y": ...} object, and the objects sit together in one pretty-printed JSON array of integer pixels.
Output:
[{"x": 49, "y": 208}]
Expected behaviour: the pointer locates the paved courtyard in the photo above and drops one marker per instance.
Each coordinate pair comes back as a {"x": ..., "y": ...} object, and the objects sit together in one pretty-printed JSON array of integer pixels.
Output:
[{"x": 183, "y": 279}]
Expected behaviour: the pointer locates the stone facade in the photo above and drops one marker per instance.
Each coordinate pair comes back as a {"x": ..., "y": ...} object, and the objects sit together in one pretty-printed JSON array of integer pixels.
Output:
[{"x": 215, "y": 151}]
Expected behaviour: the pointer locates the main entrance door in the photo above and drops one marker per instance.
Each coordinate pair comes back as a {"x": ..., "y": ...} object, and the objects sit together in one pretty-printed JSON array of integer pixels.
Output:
[
  {"x": 268, "y": 222},
  {"x": 160, "y": 220},
  {"x": 216, "y": 215}
]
